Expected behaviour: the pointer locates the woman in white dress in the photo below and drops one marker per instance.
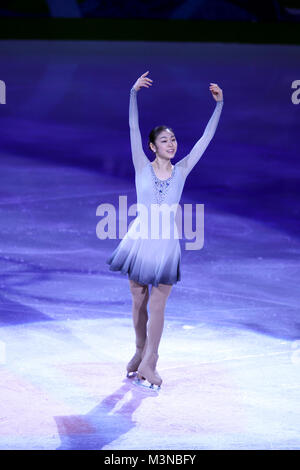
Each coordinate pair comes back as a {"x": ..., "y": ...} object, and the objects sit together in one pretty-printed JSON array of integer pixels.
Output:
[{"x": 155, "y": 261}]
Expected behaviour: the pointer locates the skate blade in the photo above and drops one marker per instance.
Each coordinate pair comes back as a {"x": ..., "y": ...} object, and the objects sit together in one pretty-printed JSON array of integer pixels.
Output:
[
  {"x": 147, "y": 385},
  {"x": 131, "y": 375}
]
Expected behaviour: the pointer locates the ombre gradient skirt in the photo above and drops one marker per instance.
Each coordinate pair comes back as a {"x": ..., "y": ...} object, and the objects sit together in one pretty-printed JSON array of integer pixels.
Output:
[{"x": 147, "y": 260}]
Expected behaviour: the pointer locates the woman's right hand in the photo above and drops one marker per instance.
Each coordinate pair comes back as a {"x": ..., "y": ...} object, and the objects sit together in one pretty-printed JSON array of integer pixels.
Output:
[{"x": 142, "y": 81}]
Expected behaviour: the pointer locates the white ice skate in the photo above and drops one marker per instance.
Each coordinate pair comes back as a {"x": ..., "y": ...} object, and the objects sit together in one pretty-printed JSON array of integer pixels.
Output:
[
  {"x": 134, "y": 363},
  {"x": 147, "y": 373}
]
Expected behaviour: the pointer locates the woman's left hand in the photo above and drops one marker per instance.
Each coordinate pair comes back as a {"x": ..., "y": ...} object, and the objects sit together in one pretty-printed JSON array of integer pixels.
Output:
[{"x": 216, "y": 92}]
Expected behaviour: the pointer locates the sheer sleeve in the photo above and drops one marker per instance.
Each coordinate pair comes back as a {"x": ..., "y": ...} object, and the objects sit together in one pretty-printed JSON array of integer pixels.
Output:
[
  {"x": 138, "y": 156},
  {"x": 187, "y": 163}
]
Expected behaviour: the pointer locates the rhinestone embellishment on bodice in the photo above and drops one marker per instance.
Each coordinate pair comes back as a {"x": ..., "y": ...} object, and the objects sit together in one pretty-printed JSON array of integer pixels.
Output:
[{"x": 161, "y": 186}]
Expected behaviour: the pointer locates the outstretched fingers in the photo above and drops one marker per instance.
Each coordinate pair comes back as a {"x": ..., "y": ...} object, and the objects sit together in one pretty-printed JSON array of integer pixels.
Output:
[
  {"x": 143, "y": 81},
  {"x": 146, "y": 81}
]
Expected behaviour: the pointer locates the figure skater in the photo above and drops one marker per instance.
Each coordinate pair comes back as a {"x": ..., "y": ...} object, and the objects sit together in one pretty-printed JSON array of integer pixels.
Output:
[{"x": 149, "y": 261}]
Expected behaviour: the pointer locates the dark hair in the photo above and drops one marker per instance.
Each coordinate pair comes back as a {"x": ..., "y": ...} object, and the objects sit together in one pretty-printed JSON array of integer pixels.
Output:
[{"x": 155, "y": 133}]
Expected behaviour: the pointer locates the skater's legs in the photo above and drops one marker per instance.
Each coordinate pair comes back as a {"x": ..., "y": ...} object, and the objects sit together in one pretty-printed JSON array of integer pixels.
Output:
[
  {"x": 157, "y": 303},
  {"x": 140, "y": 296}
]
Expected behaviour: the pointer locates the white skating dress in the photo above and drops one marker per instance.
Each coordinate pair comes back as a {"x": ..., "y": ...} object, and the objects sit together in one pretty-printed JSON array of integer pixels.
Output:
[{"x": 147, "y": 254}]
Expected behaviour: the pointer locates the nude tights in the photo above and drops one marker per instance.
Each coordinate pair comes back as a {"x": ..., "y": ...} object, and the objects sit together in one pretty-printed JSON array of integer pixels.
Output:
[{"x": 152, "y": 328}]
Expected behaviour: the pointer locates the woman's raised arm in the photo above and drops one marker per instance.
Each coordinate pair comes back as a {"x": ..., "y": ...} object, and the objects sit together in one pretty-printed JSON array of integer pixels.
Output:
[
  {"x": 138, "y": 156},
  {"x": 187, "y": 163}
]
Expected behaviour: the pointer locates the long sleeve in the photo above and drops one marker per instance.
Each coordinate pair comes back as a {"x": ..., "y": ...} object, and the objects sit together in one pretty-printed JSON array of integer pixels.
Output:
[
  {"x": 138, "y": 156},
  {"x": 187, "y": 163}
]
